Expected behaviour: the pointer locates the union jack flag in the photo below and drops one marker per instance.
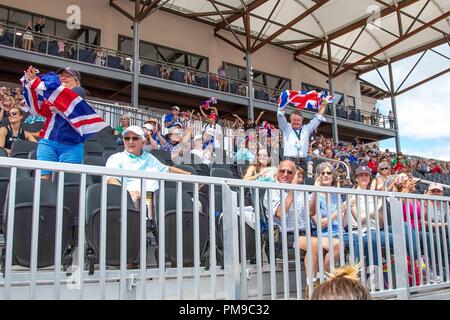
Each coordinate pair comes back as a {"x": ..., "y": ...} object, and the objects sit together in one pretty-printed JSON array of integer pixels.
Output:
[
  {"x": 303, "y": 99},
  {"x": 68, "y": 117}
]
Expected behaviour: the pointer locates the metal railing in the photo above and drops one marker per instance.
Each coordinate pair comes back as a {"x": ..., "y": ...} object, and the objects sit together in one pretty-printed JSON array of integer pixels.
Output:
[
  {"x": 67, "y": 48},
  {"x": 198, "y": 239},
  {"x": 111, "y": 113}
]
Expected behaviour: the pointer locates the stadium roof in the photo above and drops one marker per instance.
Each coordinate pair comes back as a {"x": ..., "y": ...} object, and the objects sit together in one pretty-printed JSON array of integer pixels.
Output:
[{"x": 363, "y": 34}]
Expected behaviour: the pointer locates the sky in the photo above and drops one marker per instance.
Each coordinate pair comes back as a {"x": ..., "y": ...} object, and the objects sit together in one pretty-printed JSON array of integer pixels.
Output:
[{"x": 423, "y": 112}]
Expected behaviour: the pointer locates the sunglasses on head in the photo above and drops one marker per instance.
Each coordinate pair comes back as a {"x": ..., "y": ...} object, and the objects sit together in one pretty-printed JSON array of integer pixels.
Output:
[
  {"x": 286, "y": 171},
  {"x": 328, "y": 173},
  {"x": 131, "y": 138}
]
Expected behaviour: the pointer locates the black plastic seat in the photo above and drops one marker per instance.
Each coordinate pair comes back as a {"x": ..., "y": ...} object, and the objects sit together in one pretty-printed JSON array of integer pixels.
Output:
[
  {"x": 47, "y": 225},
  {"x": 113, "y": 226},
  {"x": 108, "y": 143},
  {"x": 92, "y": 148},
  {"x": 22, "y": 148}
]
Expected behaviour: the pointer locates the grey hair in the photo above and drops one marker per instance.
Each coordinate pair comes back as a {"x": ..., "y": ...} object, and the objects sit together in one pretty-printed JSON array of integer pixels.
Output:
[{"x": 324, "y": 165}]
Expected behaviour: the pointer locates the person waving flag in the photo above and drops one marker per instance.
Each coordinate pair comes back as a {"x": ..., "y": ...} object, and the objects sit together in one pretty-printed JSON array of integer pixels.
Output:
[{"x": 303, "y": 99}]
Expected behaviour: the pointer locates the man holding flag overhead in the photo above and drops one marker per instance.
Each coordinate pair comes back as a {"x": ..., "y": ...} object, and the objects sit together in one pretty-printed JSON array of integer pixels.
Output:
[
  {"x": 69, "y": 119},
  {"x": 295, "y": 134}
]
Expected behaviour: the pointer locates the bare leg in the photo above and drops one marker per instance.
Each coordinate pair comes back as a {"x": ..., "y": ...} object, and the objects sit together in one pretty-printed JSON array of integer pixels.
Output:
[
  {"x": 314, "y": 255},
  {"x": 331, "y": 249}
]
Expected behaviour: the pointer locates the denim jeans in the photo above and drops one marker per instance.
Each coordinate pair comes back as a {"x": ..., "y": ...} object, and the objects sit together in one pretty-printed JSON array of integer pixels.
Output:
[{"x": 365, "y": 243}]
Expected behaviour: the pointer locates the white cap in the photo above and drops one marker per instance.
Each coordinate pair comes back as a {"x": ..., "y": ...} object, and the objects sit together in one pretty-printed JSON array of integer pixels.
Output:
[
  {"x": 148, "y": 126},
  {"x": 198, "y": 137},
  {"x": 135, "y": 129}
]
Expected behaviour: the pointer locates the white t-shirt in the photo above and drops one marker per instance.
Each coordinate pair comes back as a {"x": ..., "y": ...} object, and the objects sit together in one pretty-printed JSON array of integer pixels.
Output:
[{"x": 145, "y": 162}]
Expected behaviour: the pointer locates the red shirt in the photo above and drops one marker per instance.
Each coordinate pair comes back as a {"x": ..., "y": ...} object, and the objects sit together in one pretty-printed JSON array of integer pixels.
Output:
[
  {"x": 373, "y": 166},
  {"x": 436, "y": 169}
]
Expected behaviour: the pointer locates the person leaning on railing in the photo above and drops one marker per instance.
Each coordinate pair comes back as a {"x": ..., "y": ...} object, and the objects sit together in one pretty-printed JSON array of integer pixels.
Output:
[{"x": 134, "y": 158}]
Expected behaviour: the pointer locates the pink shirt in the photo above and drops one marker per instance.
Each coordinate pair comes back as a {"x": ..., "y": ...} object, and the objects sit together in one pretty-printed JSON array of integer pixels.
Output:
[{"x": 411, "y": 213}]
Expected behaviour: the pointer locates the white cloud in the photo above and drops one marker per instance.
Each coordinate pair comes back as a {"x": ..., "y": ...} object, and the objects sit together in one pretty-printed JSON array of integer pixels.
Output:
[
  {"x": 438, "y": 153},
  {"x": 423, "y": 112}
]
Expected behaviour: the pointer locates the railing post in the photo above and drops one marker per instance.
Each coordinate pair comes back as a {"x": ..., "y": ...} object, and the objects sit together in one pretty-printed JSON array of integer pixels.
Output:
[
  {"x": 398, "y": 235},
  {"x": 230, "y": 244}
]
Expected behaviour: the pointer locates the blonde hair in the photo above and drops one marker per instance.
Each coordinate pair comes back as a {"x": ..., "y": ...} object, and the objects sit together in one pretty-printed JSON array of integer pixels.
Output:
[{"x": 343, "y": 284}]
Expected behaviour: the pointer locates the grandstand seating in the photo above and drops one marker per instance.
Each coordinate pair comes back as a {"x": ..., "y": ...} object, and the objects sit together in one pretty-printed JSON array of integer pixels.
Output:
[{"x": 114, "y": 62}]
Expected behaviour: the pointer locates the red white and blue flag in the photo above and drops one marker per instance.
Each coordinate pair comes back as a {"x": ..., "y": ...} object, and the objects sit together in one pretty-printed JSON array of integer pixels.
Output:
[
  {"x": 68, "y": 117},
  {"x": 303, "y": 99}
]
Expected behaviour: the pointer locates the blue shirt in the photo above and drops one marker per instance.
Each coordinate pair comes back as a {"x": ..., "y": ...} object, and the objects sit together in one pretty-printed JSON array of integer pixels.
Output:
[{"x": 325, "y": 212}]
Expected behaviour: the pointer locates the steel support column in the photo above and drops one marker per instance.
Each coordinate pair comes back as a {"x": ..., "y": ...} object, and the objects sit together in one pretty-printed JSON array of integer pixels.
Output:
[
  {"x": 136, "y": 64},
  {"x": 331, "y": 92},
  {"x": 394, "y": 108},
  {"x": 251, "y": 94}
]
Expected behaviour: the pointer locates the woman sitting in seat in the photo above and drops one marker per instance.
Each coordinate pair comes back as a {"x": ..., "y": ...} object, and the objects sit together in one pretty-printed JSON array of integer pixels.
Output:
[
  {"x": 262, "y": 169},
  {"x": 13, "y": 131},
  {"x": 328, "y": 208}
]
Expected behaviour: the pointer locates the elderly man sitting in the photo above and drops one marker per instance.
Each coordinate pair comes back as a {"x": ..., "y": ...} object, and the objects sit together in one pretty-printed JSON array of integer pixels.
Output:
[
  {"x": 133, "y": 158},
  {"x": 287, "y": 173}
]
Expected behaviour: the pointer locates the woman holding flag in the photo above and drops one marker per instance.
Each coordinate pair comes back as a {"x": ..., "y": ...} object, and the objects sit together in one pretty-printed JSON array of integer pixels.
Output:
[
  {"x": 295, "y": 134},
  {"x": 69, "y": 119}
]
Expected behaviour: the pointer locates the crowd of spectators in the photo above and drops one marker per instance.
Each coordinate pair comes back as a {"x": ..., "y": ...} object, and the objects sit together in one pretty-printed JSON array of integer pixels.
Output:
[{"x": 202, "y": 135}]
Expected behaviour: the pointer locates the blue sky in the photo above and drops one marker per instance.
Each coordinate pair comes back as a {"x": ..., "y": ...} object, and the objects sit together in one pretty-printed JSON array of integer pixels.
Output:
[{"x": 423, "y": 112}]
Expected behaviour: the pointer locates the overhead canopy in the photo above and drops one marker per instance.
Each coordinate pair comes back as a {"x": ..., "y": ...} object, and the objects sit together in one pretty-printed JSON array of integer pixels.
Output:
[{"x": 363, "y": 34}]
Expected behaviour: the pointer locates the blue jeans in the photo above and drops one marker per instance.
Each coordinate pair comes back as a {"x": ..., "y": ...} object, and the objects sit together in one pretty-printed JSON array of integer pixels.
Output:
[
  {"x": 49, "y": 150},
  {"x": 365, "y": 243}
]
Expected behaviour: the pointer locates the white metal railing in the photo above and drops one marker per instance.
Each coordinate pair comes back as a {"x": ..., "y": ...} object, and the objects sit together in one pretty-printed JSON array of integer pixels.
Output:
[{"x": 255, "y": 264}]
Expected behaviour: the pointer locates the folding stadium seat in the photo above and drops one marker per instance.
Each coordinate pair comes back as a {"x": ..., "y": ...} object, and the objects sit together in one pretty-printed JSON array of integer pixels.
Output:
[
  {"x": 186, "y": 167},
  {"x": 114, "y": 62},
  {"x": 113, "y": 226},
  {"x": 163, "y": 156},
  {"x": 105, "y": 132},
  {"x": 32, "y": 155},
  {"x": 53, "y": 48},
  {"x": 47, "y": 225},
  {"x": 21, "y": 148},
  {"x": 95, "y": 161},
  {"x": 109, "y": 153},
  {"x": 3, "y": 152},
  {"x": 233, "y": 88},
  {"x": 150, "y": 70},
  {"x": 202, "y": 81},
  {"x": 177, "y": 75},
  {"x": 92, "y": 148},
  {"x": 170, "y": 233},
  {"x": 86, "y": 55},
  {"x": 72, "y": 193},
  {"x": 108, "y": 143},
  {"x": 250, "y": 241}
]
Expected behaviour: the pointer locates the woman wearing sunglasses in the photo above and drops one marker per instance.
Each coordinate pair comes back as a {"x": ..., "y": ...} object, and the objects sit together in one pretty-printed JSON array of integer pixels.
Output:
[
  {"x": 328, "y": 207},
  {"x": 262, "y": 170},
  {"x": 13, "y": 131},
  {"x": 384, "y": 181}
]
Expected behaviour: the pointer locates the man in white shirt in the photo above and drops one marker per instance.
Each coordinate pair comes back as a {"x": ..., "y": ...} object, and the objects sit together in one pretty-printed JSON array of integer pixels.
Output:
[
  {"x": 133, "y": 158},
  {"x": 296, "y": 135}
]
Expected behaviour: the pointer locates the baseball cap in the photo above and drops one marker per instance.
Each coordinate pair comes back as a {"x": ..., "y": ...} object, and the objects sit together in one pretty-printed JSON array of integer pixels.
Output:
[
  {"x": 198, "y": 137},
  {"x": 434, "y": 186},
  {"x": 148, "y": 126},
  {"x": 363, "y": 169},
  {"x": 176, "y": 108},
  {"x": 177, "y": 124},
  {"x": 135, "y": 129},
  {"x": 70, "y": 71}
]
